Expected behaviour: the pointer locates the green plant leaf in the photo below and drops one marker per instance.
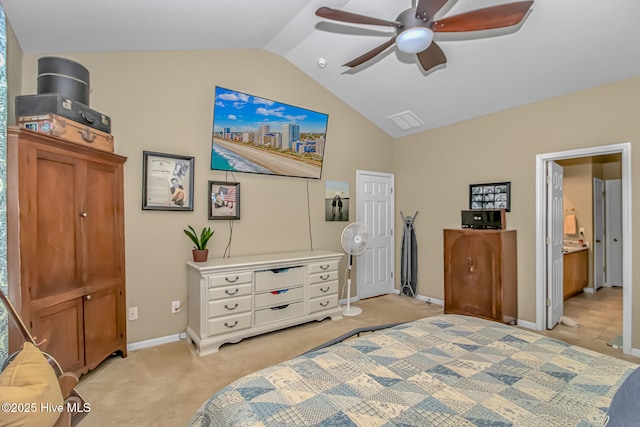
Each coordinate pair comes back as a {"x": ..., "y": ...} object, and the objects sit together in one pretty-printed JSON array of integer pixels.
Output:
[{"x": 201, "y": 241}]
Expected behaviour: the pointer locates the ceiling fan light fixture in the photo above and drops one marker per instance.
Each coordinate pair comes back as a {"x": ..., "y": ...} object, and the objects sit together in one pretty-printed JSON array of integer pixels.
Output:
[{"x": 414, "y": 40}]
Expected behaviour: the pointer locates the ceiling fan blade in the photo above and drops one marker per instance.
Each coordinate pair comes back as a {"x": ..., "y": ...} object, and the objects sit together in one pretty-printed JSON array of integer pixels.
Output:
[
  {"x": 427, "y": 9},
  {"x": 371, "y": 54},
  {"x": 354, "y": 18},
  {"x": 431, "y": 57},
  {"x": 484, "y": 19}
]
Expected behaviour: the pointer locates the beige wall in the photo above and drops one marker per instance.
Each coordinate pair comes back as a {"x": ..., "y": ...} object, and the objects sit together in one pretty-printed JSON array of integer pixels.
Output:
[
  {"x": 163, "y": 101},
  {"x": 434, "y": 169}
]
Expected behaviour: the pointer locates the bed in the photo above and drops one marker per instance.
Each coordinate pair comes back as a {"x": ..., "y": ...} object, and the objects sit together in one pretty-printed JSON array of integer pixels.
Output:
[{"x": 447, "y": 370}]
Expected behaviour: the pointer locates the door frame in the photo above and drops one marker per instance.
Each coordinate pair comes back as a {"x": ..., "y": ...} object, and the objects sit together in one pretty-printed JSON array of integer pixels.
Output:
[
  {"x": 541, "y": 226},
  {"x": 359, "y": 208}
]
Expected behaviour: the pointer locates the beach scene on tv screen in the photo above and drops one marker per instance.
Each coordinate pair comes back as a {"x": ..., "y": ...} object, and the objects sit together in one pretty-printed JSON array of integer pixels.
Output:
[{"x": 257, "y": 135}]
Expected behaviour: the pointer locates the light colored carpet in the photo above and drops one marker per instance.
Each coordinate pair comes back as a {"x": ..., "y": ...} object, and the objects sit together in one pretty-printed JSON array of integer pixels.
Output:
[{"x": 165, "y": 385}]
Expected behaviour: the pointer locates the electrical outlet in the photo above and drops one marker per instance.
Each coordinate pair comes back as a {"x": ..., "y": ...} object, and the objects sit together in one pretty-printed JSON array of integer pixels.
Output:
[
  {"x": 175, "y": 306},
  {"x": 133, "y": 313},
  {"x": 581, "y": 230}
]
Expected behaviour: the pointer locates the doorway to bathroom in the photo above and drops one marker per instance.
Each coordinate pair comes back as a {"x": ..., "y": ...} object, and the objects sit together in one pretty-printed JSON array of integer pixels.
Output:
[{"x": 600, "y": 162}]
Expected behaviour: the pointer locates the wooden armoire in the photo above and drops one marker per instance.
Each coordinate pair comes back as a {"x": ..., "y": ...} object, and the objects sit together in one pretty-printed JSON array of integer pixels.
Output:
[
  {"x": 480, "y": 273},
  {"x": 66, "y": 263}
]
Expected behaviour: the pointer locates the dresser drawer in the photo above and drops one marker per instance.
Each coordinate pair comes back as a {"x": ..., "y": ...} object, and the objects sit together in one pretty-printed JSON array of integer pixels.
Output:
[
  {"x": 268, "y": 280},
  {"x": 229, "y": 291},
  {"x": 323, "y": 303},
  {"x": 274, "y": 314},
  {"x": 323, "y": 289},
  {"x": 279, "y": 297},
  {"x": 323, "y": 267},
  {"x": 222, "y": 325},
  {"x": 329, "y": 276},
  {"x": 230, "y": 279},
  {"x": 228, "y": 306}
]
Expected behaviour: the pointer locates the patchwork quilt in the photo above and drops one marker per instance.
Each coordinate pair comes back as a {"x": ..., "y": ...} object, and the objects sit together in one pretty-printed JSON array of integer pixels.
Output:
[{"x": 447, "y": 370}]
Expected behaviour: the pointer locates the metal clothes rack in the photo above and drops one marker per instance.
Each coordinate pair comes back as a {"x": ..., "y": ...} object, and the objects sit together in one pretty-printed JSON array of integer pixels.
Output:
[{"x": 409, "y": 266}]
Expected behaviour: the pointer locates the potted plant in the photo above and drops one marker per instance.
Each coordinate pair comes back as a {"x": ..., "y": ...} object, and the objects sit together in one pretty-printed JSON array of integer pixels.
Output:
[{"x": 200, "y": 251}]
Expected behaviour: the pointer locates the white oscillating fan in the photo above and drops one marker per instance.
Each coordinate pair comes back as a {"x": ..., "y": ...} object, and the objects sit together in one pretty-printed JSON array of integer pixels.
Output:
[{"x": 355, "y": 240}]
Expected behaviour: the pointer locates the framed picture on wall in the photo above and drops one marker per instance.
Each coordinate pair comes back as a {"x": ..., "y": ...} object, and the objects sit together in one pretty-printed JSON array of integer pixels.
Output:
[
  {"x": 167, "y": 182},
  {"x": 496, "y": 195},
  {"x": 224, "y": 200}
]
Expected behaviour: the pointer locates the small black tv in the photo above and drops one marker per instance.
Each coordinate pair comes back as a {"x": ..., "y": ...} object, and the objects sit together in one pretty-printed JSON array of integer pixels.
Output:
[{"x": 257, "y": 135}]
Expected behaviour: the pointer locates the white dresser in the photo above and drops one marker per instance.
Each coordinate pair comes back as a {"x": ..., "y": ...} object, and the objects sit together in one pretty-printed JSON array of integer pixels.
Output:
[{"x": 235, "y": 298}]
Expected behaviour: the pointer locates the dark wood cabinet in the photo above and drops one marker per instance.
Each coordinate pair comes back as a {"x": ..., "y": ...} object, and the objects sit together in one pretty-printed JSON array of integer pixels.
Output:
[
  {"x": 65, "y": 212},
  {"x": 480, "y": 274}
]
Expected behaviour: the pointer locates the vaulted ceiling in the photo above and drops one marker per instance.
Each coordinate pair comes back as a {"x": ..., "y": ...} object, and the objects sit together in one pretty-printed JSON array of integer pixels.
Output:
[{"x": 560, "y": 47}]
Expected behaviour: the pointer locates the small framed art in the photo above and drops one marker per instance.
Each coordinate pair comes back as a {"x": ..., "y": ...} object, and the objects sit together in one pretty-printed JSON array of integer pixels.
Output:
[
  {"x": 167, "y": 182},
  {"x": 495, "y": 195},
  {"x": 224, "y": 200}
]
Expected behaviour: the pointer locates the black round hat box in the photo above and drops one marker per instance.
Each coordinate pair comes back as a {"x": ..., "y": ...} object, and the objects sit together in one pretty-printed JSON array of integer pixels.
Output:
[{"x": 63, "y": 76}]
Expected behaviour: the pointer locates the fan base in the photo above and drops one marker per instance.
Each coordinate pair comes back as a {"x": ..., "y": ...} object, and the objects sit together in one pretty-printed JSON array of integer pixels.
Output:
[{"x": 351, "y": 311}]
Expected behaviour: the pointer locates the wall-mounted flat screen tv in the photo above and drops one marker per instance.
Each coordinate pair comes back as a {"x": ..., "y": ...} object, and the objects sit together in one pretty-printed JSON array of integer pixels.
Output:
[{"x": 257, "y": 135}]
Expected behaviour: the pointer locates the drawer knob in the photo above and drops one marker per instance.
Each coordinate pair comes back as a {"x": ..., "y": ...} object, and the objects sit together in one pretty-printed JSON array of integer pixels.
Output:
[
  {"x": 325, "y": 289},
  {"x": 88, "y": 296},
  {"x": 84, "y": 214},
  {"x": 325, "y": 276},
  {"x": 324, "y": 304},
  {"x": 324, "y": 267},
  {"x": 234, "y": 280},
  {"x": 231, "y": 308},
  {"x": 235, "y": 291},
  {"x": 231, "y": 326}
]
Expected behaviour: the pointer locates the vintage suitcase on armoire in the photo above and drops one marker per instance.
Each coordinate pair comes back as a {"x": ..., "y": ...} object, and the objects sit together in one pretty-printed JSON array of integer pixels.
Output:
[{"x": 480, "y": 274}]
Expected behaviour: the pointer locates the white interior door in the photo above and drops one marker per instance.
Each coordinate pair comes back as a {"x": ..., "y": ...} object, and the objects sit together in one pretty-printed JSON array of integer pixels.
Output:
[
  {"x": 376, "y": 211},
  {"x": 598, "y": 233},
  {"x": 555, "y": 233},
  {"x": 613, "y": 234}
]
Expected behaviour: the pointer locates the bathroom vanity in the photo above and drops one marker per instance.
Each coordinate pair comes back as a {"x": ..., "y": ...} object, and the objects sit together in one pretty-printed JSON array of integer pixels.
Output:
[{"x": 576, "y": 270}]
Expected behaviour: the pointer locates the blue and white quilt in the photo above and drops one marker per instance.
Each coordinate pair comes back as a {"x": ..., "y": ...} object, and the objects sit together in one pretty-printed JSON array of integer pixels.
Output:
[{"x": 445, "y": 370}]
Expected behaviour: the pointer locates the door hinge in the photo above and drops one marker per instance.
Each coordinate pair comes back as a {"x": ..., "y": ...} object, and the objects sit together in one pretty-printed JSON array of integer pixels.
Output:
[
  {"x": 392, "y": 274},
  {"x": 391, "y": 231},
  {"x": 548, "y": 179},
  {"x": 548, "y": 240},
  {"x": 391, "y": 190},
  {"x": 548, "y": 302},
  {"x": 31, "y": 325}
]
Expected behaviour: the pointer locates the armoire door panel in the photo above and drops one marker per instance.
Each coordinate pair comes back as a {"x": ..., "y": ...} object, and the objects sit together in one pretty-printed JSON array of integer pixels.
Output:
[
  {"x": 60, "y": 326},
  {"x": 57, "y": 258},
  {"x": 101, "y": 332},
  {"x": 480, "y": 274},
  {"x": 101, "y": 224}
]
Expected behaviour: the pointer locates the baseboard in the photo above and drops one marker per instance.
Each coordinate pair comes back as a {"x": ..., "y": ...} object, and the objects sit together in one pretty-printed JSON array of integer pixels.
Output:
[
  {"x": 589, "y": 290},
  {"x": 153, "y": 342},
  {"x": 351, "y": 300},
  {"x": 635, "y": 352},
  {"x": 528, "y": 325},
  {"x": 429, "y": 300}
]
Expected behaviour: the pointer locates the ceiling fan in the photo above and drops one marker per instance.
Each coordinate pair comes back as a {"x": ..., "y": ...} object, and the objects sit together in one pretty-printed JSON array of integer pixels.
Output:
[{"x": 415, "y": 27}]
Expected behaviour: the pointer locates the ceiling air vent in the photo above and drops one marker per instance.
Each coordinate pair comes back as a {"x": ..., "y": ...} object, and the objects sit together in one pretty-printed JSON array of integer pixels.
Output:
[{"x": 406, "y": 120}]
